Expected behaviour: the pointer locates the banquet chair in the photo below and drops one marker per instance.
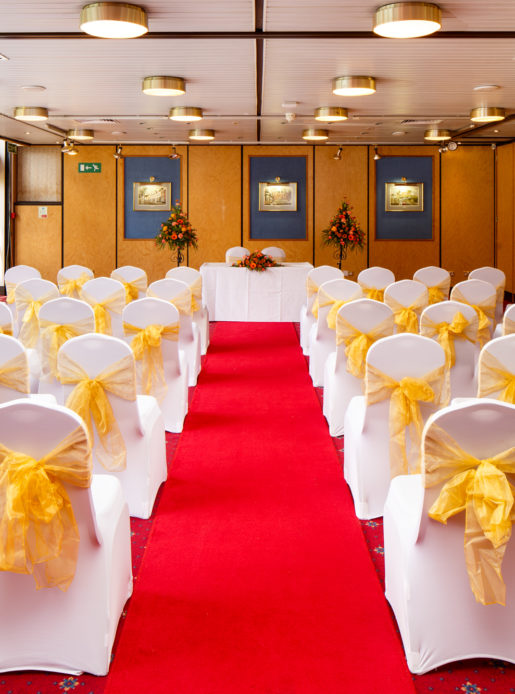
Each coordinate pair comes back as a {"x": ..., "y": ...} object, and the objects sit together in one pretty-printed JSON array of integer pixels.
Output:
[
  {"x": 322, "y": 339},
  {"x": 481, "y": 296},
  {"x": 315, "y": 277},
  {"x": 179, "y": 294},
  {"x": 59, "y": 320},
  {"x": 374, "y": 280},
  {"x": 405, "y": 375},
  {"x": 232, "y": 255},
  {"x": 134, "y": 279},
  {"x": 161, "y": 367},
  {"x": 15, "y": 376},
  {"x": 200, "y": 316},
  {"x": 437, "y": 281},
  {"x": 508, "y": 321},
  {"x": 69, "y": 624},
  {"x": 72, "y": 278},
  {"x": 496, "y": 369},
  {"x": 454, "y": 327},
  {"x": 13, "y": 276},
  {"x": 407, "y": 299},
  {"x": 428, "y": 585},
  {"x": 496, "y": 277},
  {"x": 107, "y": 298},
  {"x": 276, "y": 253},
  {"x": 6, "y": 320},
  {"x": 358, "y": 325},
  {"x": 92, "y": 368}
]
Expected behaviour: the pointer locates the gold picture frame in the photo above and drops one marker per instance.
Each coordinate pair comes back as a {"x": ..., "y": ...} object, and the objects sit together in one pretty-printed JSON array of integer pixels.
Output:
[
  {"x": 277, "y": 196},
  {"x": 404, "y": 197},
  {"x": 155, "y": 196}
]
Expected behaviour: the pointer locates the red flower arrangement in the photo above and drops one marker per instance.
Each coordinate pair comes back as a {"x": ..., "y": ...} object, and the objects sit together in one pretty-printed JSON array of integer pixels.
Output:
[
  {"x": 256, "y": 261},
  {"x": 177, "y": 232},
  {"x": 343, "y": 233}
]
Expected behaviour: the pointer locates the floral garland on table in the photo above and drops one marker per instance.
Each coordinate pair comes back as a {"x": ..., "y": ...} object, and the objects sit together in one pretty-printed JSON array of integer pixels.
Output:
[
  {"x": 344, "y": 233},
  {"x": 257, "y": 262},
  {"x": 177, "y": 233}
]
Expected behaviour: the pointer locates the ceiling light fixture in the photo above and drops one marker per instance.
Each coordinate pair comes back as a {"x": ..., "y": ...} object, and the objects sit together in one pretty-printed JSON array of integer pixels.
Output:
[
  {"x": 174, "y": 154},
  {"x": 164, "y": 86},
  {"x": 314, "y": 135},
  {"x": 354, "y": 86},
  {"x": 435, "y": 135},
  {"x": 201, "y": 135},
  {"x": 487, "y": 114},
  {"x": 80, "y": 134},
  {"x": 113, "y": 20},
  {"x": 331, "y": 114},
  {"x": 377, "y": 156},
  {"x": 68, "y": 147},
  {"x": 186, "y": 114},
  {"x": 118, "y": 153},
  {"x": 406, "y": 20},
  {"x": 31, "y": 113},
  {"x": 338, "y": 154}
]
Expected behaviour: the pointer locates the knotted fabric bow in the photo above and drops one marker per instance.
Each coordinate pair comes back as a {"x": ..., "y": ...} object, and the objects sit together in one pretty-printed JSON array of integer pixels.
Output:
[
  {"x": 53, "y": 336},
  {"x": 372, "y": 292},
  {"x": 182, "y": 301},
  {"x": 14, "y": 373},
  {"x": 28, "y": 307},
  {"x": 439, "y": 292},
  {"x": 146, "y": 347},
  {"x": 405, "y": 396},
  {"x": 132, "y": 288},
  {"x": 494, "y": 377},
  {"x": 406, "y": 317},
  {"x": 324, "y": 299},
  {"x": 73, "y": 287},
  {"x": 89, "y": 400},
  {"x": 37, "y": 525},
  {"x": 447, "y": 333},
  {"x": 357, "y": 343},
  {"x": 115, "y": 303},
  {"x": 485, "y": 313},
  {"x": 482, "y": 490}
]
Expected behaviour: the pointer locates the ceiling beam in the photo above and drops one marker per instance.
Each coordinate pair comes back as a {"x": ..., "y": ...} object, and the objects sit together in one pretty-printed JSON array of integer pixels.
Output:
[
  {"x": 258, "y": 27},
  {"x": 468, "y": 131}
]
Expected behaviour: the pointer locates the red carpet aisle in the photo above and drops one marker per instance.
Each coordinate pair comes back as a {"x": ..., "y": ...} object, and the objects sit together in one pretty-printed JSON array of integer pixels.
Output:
[{"x": 257, "y": 578}]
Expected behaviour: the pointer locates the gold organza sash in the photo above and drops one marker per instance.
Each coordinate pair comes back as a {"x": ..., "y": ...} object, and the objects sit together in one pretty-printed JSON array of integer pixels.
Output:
[
  {"x": 28, "y": 307},
  {"x": 405, "y": 396},
  {"x": 495, "y": 377},
  {"x": 439, "y": 292},
  {"x": 115, "y": 302},
  {"x": 406, "y": 317},
  {"x": 482, "y": 490},
  {"x": 89, "y": 400},
  {"x": 146, "y": 347},
  {"x": 52, "y": 338},
  {"x": 374, "y": 293},
  {"x": 37, "y": 525},
  {"x": 132, "y": 288},
  {"x": 508, "y": 326},
  {"x": 447, "y": 333},
  {"x": 311, "y": 287},
  {"x": 357, "y": 343},
  {"x": 182, "y": 301},
  {"x": 196, "y": 294},
  {"x": 73, "y": 287},
  {"x": 14, "y": 373},
  {"x": 9, "y": 288},
  {"x": 325, "y": 299},
  {"x": 485, "y": 313}
]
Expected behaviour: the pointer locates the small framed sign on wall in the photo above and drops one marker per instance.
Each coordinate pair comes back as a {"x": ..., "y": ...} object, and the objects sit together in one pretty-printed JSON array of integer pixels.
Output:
[{"x": 404, "y": 197}]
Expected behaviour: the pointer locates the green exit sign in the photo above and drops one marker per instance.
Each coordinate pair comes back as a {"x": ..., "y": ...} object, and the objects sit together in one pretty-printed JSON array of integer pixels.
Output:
[{"x": 90, "y": 167}]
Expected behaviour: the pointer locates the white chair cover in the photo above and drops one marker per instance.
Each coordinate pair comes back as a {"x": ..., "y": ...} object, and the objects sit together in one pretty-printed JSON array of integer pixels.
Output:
[
  {"x": 6, "y": 320},
  {"x": 496, "y": 369},
  {"x": 134, "y": 279},
  {"x": 496, "y": 277},
  {"x": 72, "y": 278},
  {"x": 106, "y": 294},
  {"x": 316, "y": 277},
  {"x": 235, "y": 253},
  {"x": 276, "y": 253},
  {"x": 407, "y": 299},
  {"x": 481, "y": 295},
  {"x": 13, "y": 276},
  {"x": 508, "y": 322},
  {"x": 437, "y": 281},
  {"x": 374, "y": 280},
  {"x": 200, "y": 315}
]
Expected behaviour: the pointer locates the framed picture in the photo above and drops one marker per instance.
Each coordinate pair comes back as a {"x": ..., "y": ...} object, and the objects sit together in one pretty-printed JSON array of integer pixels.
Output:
[
  {"x": 279, "y": 196},
  {"x": 152, "y": 197},
  {"x": 404, "y": 197}
]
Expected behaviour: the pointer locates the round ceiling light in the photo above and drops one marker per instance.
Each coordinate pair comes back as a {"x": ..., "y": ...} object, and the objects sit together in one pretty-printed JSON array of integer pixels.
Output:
[
  {"x": 31, "y": 113},
  {"x": 186, "y": 114},
  {"x": 201, "y": 135},
  {"x": 113, "y": 20},
  {"x": 79, "y": 134},
  {"x": 313, "y": 134},
  {"x": 163, "y": 86},
  {"x": 436, "y": 135},
  {"x": 406, "y": 20},
  {"x": 487, "y": 114},
  {"x": 354, "y": 86},
  {"x": 331, "y": 114}
]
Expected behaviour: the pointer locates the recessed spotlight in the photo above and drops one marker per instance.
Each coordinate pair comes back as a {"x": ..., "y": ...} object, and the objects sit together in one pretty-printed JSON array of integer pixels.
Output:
[
  {"x": 399, "y": 132},
  {"x": 118, "y": 132},
  {"x": 33, "y": 88},
  {"x": 486, "y": 87},
  {"x": 496, "y": 131},
  {"x": 3, "y": 57}
]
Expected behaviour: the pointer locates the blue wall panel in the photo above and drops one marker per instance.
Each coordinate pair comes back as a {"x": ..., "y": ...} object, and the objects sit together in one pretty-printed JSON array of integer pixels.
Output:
[
  {"x": 404, "y": 225},
  {"x": 277, "y": 225},
  {"x": 143, "y": 224}
]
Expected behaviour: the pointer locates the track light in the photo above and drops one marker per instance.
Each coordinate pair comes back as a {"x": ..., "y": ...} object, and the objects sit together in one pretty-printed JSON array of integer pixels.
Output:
[
  {"x": 377, "y": 156},
  {"x": 338, "y": 154},
  {"x": 118, "y": 154},
  {"x": 68, "y": 147},
  {"x": 173, "y": 154}
]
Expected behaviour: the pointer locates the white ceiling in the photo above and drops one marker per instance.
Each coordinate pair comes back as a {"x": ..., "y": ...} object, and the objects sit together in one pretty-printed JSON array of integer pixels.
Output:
[{"x": 100, "y": 80}]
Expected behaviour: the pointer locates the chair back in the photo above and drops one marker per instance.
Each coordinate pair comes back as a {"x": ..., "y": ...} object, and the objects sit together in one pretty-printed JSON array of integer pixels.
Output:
[
  {"x": 332, "y": 293},
  {"x": 496, "y": 369},
  {"x": 14, "y": 384},
  {"x": 26, "y": 292},
  {"x": 179, "y": 294},
  {"x": 134, "y": 279},
  {"x": 316, "y": 277},
  {"x": 6, "y": 319},
  {"x": 109, "y": 293},
  {"x": 276, "y": 253},
  {"x": 406, "y": 294},
  {"x": 13, "y": 276},
  {"x": 375, "y": 279},
  {"x": 483, "y": 295},
  {"x": 406, "y": 355},
  {"x": 437, "y": 281},
  {"x": 496, "y": 277},
  {"x": 73, "y": 272},
  {"x": 508, "y": 322},
  {"x": 235, "y": 253}
]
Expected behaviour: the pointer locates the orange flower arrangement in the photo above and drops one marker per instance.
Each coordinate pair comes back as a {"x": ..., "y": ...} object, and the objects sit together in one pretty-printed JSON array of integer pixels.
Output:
[
  {"x": 257, "y": 262},
  {"x": 343, "y": 233},
  {"x": 177, "y": 232}
]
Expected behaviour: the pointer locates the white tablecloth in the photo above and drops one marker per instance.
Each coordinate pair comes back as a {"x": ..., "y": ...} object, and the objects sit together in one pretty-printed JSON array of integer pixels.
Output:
[{"x": 238, "y": 294}]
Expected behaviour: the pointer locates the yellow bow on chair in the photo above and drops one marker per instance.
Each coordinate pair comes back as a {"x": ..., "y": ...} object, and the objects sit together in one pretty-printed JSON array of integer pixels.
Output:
[
  {"x": 485, "y": 314},
  {"x": 404, "y": 413},
  {"x": 406, "y": 317},
  {"x": 115, "y": 302},
  {"x": 146, "y": 347},
  {"x": 325, "y": 299},
  {"x": 37, "y": 525},
  {"x": 53, "y": 336},
  {"x": 458, "y": 328},
  {"x": 182, "y": 301},
  {"x": 482, "y": 490},
  {"x": 14, "y": 373},
  {"x": 439, "y": 292},
  {"x": 357, "y": 343},
  {"x": 373, "y": 293},
  {"x": 28, "y": 307},
  {"x": 89, "y": 400},
  {"x": 73, "y": 287},
  {"x": 495, "y": 377},
  {"x": 132, "y": 288}
]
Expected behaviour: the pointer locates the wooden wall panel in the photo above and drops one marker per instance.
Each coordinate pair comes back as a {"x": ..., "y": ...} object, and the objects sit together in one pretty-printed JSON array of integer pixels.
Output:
[
  {"x": 505, "y": 191},
  {"x": 336, "y": 180},
  {"x": 404, "y": 257},
  {"x": 297, "y": 250},
  {"x": 38, "y": 241},
  {"x": 467, "y": 210},
  {"x": 39, "y": 174},
  {"x": 144, "y": 253},
  {"x": 90, "y": 210},
  {"x": 215, "y": 201}
]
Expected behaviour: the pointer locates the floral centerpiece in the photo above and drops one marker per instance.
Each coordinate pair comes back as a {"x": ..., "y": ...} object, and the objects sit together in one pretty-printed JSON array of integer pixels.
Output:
[
  {"x": 256, "y": 261},
  {"x": 177, "y": 233},
  {"x": 343, "y": 233}
]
